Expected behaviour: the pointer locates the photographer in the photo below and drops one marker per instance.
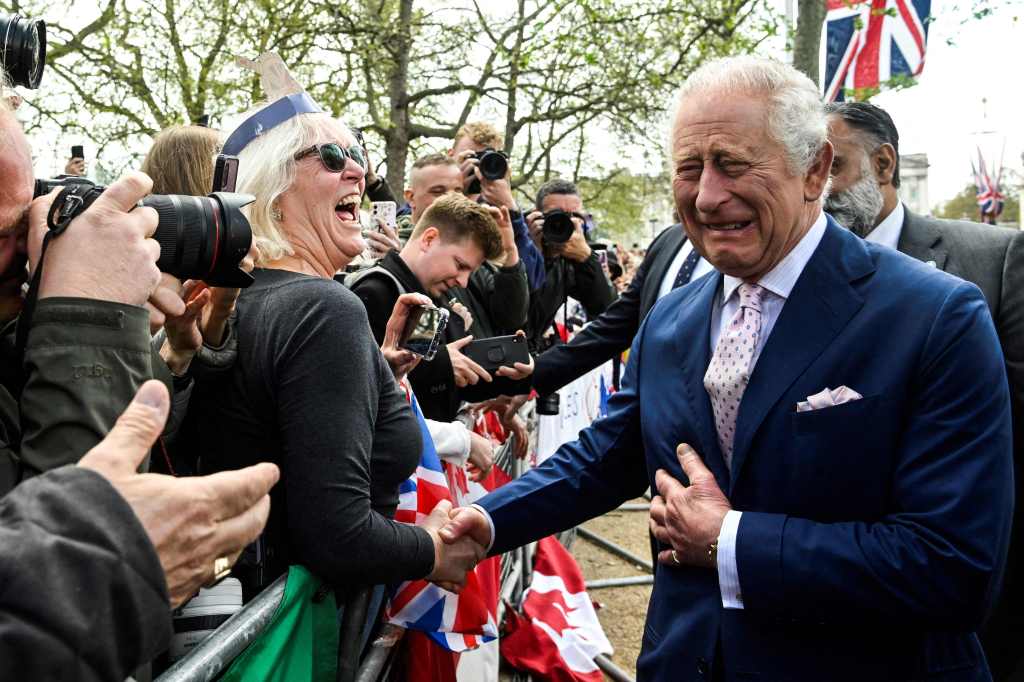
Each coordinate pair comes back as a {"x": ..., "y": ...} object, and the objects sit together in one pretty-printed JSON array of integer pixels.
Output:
[
  {"x": 573, "y": 268},
  {"x": 78, "y": 537},
  {"x": 486, "y": 177}
]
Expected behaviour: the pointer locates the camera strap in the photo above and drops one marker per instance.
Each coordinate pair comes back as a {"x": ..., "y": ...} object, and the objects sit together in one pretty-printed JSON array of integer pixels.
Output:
[{"x": 63, "y": 210}]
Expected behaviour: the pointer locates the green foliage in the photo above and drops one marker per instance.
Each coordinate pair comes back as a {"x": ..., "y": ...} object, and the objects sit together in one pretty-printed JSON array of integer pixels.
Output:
[{"x": 408, "y": 72}]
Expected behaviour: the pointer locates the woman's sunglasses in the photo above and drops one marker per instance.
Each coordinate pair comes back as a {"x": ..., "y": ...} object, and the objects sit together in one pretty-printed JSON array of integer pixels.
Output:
[{"x": 333, "y": 156}]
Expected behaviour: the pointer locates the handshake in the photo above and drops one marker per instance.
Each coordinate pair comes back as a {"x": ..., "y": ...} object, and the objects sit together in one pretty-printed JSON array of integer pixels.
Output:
[{"x": 461, "y": 537}]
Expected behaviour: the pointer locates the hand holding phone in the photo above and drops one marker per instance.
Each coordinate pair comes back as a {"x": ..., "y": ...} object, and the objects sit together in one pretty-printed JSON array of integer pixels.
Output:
[{"x": 424, "y": 330}]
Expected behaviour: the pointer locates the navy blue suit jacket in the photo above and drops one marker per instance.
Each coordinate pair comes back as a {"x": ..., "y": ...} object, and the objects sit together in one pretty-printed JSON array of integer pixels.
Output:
[{"x": 873, "y": 533}]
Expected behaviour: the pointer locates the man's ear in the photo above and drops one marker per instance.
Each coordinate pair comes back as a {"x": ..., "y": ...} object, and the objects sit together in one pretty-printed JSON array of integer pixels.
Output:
[
  {"x": 408, "y": 197},
  {"x": 817, "y": 175},
  {"x": 883, "y": 160},
  {"x": 428, "y": 237}
]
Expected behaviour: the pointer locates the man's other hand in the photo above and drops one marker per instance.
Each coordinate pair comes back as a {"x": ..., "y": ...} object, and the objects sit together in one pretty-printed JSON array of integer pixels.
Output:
[
  {"x": 467, "y": 522},
  {"x": 576, "y": 249},
  {"x": 75, "y": 166},
  {"x": 452, "y": 559},
  {"x": 688, "y": 518},
  {"x": 190, "y": 521},
  {"x": 481, "y": 457},
  {"x": 465, "y": 370}
]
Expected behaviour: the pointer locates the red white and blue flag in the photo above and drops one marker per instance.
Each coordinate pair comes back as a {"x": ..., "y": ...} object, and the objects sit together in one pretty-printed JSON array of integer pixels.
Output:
[
  {"x": 456, "y": 622},
  {"x": 867, "y": 43},
  {"x": 990, "y": 199}
]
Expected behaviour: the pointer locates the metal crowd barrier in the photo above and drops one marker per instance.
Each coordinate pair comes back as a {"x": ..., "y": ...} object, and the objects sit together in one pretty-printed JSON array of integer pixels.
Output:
[{"x": 215, "y": 654}]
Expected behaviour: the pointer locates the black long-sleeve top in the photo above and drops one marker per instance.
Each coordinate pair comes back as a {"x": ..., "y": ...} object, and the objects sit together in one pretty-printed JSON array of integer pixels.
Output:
[{"x": 311, "y": 391}]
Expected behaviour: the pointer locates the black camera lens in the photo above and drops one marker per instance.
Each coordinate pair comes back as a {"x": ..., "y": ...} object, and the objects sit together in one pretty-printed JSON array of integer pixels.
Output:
[
  {"x": 547, "y": 405},
  {"x": 558, "y": 227},
  {"x": 203, "y": 237},
  {"x": 23, "y": 49},
  {"x": 493, "y": 165}
]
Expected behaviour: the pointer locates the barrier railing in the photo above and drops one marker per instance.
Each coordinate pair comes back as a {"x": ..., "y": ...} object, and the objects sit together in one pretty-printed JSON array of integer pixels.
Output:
[{"x": 214, "y": 654}]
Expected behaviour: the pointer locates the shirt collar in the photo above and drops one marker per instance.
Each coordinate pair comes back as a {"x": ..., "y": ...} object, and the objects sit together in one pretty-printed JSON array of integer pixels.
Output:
[
  {"x": 887, "y": 232},
  {"x": 781, "y": 279}
]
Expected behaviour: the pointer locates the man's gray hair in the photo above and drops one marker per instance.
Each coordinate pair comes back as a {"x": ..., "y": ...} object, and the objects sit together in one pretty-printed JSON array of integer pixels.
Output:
[
  {"x": 796, "y": 114},
  {"x": 555, "y": 186}
]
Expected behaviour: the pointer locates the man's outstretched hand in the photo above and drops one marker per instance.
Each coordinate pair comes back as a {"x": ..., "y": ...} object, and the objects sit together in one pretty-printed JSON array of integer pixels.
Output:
[
  {"x": 191, "y": 521},
  {"x": 688, "y": 518}
]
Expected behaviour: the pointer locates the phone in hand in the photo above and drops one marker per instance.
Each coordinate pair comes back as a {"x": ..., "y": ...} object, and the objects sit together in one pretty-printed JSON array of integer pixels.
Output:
[
  {"x": 498, "y": 351},
  {"x": 424, "y": 329},
  {"x": 387, "y": 211},
  {"x": 77, "y": 152}
]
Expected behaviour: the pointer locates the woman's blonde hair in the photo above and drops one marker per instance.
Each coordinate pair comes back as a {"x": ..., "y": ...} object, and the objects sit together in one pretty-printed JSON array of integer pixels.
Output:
[
  {"x": 181, "y": 160},
  {"x": 266, "y": 170}
]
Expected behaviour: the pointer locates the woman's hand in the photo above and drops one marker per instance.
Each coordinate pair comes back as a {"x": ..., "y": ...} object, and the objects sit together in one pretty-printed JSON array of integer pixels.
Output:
[
  {"x": 400, "y": 360},
  {"x": 183, "y": 335},
  {"x": 481, "y": 457},
  {"x": 222, "y": 303}
]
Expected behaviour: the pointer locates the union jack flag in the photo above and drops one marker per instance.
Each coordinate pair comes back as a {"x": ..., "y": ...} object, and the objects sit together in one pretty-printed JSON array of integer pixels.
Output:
[
  {"x": 867, "y": 43},
  {"x": 990, "y": 199},
  {"x": 456, "y": 622}
]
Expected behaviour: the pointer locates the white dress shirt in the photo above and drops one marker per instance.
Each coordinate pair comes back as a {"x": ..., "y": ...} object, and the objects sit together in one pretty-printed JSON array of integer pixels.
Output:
[
  {"x": 778, "y": 283},
  {"x": 887, "y": 232},
  {"x": 702, "y": 268}
]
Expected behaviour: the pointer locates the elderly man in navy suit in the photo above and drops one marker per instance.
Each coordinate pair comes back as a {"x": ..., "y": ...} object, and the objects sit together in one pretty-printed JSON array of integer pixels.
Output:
[{"x": 826, "y": 422}]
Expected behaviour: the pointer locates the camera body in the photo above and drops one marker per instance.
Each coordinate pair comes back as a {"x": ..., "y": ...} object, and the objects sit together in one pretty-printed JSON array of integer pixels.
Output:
[
  {"x": 493, "y": 166},
  {"x": 202, "y": 238},
  {"x": 558, "y": 227}
]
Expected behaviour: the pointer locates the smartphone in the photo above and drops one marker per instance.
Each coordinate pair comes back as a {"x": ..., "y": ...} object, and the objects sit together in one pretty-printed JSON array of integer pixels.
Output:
[
  {"x": 386, "y": 211},
  {"x": 225, "y": 173},
  {"x": 77, "y": 151},
  {"x": 497, "y": 351},
  {"x": 424, "y": 331}
]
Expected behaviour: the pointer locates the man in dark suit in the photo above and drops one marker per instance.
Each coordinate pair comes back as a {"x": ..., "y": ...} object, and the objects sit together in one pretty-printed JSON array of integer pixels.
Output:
[
  {"x": 863, "y": 197},
  {"x": 670, "y": 262},
  {"x": 826, "y": 510}
]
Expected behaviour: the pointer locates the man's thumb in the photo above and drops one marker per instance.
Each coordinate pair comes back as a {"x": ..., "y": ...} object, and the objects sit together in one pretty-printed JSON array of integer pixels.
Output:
[
  {"x": 459, "y": 343},
  {"x": 691, "y": 463},
  {"x": 438, "y": 516},
  {"x": 136, "y": 429}
]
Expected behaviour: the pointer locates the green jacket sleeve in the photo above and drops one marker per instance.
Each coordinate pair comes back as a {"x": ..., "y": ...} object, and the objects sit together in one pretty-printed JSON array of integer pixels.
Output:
[{"x": 83, "y": 363}]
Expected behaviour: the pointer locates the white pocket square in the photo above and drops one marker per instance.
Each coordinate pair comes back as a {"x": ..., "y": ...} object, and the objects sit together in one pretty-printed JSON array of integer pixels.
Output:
[{"x": 828, "y": 398}]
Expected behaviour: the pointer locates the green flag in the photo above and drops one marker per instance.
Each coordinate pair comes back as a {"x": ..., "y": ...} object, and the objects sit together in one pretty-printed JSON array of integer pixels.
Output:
[{"x": 301, "y": 641}]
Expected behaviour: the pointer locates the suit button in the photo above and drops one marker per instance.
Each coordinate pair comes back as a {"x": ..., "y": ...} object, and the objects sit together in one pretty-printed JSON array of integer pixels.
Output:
[{"x": 702, "y": 666}]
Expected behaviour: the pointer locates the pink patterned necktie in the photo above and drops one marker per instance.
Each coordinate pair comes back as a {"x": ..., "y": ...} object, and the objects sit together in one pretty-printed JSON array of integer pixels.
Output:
[{"x": 730, "y": 367}]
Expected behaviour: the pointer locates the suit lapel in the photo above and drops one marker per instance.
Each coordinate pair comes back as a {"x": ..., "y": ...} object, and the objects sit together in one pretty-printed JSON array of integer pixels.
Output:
[
  {"x": 673, "y": 242},
  {"x": 921, "y": 240},
  {"x": 818, "y": 308},
  {"x": 693, "y": 349}
]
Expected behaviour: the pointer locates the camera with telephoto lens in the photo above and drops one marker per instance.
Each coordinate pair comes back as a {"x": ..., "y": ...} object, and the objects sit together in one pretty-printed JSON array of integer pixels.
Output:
[
  {"x": 558, "y": 227},
  {"x": 493, "y": 166},
  {"x": 23, "y": 49},
  {"x": 204, "y": 238}
]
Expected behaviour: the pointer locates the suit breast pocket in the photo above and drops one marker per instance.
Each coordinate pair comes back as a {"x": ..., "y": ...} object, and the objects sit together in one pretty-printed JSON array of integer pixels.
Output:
[{"x": 841, "y": 459}]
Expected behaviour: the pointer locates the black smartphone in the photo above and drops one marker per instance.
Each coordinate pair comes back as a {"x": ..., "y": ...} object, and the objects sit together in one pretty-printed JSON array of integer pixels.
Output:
[
  {"x": 225, "y": 173},
  {"x": 497, "y": 351},
  {"x": 424, "y": 331},
  {"x": 77, "y": 151}
]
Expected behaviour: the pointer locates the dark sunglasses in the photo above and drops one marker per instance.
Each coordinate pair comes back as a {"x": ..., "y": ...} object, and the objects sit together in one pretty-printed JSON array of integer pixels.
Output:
[{"x": 334, "y": 157}]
